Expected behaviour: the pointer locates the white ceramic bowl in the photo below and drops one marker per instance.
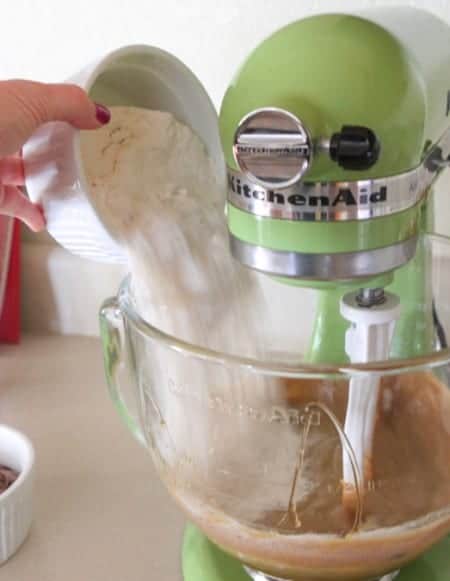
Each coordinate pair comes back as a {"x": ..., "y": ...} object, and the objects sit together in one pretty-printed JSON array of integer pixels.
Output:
[
  {"x": 139, "y": 76},
  {"x": 16, "y": 503}
]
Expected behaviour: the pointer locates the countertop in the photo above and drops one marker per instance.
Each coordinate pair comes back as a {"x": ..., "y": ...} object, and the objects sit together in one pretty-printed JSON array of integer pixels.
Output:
[{"x": 101, "y": 513}]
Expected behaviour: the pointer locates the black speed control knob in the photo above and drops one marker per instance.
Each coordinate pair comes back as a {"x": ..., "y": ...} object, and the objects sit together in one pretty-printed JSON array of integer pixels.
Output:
[{"x": 354, "y": 147}]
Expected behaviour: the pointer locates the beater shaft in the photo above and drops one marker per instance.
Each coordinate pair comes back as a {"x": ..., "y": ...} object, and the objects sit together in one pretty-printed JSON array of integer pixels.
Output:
[{"x": 372, "y": 313}]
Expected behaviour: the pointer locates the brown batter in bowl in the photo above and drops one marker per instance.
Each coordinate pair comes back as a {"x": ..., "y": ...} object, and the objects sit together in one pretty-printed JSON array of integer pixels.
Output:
[{"x": 406, "y": 505}]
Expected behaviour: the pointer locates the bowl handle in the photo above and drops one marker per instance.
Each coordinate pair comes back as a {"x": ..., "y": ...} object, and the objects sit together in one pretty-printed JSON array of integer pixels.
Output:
[{"x": 117, "y": 360}]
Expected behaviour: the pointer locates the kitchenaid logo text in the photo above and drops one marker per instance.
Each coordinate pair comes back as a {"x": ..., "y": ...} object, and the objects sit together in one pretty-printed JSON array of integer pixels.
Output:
[
  {"x": 225, "y": 405},
  {"x": 342, "y": 196},
  {"x": 299, "y": 151}
]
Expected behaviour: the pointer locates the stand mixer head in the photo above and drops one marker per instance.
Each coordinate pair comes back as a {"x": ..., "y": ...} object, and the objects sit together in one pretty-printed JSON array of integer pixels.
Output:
[{"x": 334, "y": 130}]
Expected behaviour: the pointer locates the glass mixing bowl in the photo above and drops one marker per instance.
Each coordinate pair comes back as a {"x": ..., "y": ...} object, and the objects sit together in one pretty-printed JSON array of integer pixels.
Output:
[{"x": 253, "y": 450}]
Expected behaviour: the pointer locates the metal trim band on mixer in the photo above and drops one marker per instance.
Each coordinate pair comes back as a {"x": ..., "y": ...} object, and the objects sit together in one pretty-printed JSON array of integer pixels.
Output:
[
  {"x": 339, "y": 266},
  {"x": 340, "y": 201}
]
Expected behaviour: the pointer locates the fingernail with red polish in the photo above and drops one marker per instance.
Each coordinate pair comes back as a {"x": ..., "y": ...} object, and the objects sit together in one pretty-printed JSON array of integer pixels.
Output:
[{"x": 102, "y": 113}]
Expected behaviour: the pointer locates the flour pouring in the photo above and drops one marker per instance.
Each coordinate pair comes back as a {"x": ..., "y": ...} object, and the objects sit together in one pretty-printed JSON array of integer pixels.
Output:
[{"x": 157, "y": 191}]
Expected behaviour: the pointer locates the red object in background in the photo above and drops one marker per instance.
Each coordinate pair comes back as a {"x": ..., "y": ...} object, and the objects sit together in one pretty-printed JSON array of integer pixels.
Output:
[{"x": 10, "y": 230}]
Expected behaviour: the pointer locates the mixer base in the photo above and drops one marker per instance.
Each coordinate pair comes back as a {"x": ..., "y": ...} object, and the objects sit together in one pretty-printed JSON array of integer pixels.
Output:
[{"x": 203, "y": 561}]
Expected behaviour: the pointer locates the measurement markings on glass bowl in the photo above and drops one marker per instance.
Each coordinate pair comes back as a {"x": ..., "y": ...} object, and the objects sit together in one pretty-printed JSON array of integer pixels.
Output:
[{"x": 270, "y": 415}]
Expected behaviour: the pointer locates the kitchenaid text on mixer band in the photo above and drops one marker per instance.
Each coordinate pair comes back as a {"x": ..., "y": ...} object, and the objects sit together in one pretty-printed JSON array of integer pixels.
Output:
[
  {"x": 343, "y": 195},
  {"x": 347, "y": 200}
]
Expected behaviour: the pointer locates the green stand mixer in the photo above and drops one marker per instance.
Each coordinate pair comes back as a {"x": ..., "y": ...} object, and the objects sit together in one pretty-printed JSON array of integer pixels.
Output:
[
  {"x": 334, "y": 130},
  {"x": 329, "y": 459}
]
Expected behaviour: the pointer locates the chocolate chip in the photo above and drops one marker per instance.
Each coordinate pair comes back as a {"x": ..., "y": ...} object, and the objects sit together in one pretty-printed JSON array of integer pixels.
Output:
[{"x": 7, "y": 477}]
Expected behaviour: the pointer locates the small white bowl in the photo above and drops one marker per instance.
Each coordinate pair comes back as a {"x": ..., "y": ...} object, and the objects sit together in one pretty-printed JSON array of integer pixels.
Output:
[
  {"x": 136, "y": 75},
  {"x": 16, "y": 503}
]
